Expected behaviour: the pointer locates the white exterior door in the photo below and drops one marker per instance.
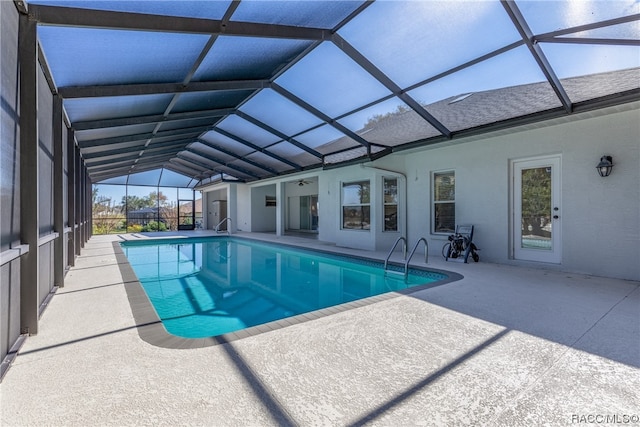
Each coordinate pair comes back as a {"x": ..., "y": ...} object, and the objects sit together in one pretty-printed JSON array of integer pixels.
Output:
[{"x": 536, "y": 210}]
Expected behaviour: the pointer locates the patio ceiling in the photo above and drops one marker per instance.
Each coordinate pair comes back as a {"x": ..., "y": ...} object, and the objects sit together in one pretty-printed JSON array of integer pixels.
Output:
[{"x": 254, "y": 89}]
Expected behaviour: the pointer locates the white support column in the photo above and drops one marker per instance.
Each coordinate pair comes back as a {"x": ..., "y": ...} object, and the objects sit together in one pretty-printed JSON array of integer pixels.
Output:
[
  {"x": 205, "y": 211},
  {"x": 232, "y": 207},
  {"x": 281, "y": 205}
]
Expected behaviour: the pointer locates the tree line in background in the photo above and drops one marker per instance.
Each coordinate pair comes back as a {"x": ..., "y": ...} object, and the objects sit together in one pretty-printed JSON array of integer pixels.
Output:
[{"x": 133, "y": 214}]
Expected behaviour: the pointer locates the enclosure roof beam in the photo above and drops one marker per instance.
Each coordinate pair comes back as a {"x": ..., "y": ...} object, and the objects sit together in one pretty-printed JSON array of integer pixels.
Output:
[
  {"x": 374, "y": 71},
  {"x": 71, "y": 92},
  {"x": 89, "y": 18},
  {"x": 156, "y": 118},
  {"x": 298, "y": 101},
  {"x": 107, "y": 152},
  {"x": 536, "y": 51},
  {"x": 257, "y": 148},
  {"x": 279, "y": 134},
  {"x": 183, "y": 169},
  {"x": 218, "y": 161},
  {"x": 215, "y": 169},
  {"x": 181, "y": 132},
  {"x": 236, "y": 156}
]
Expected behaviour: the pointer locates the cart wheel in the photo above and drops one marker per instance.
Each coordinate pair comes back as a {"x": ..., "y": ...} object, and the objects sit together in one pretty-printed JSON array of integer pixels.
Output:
[
  {"x": 446, "y": 250},
  {"x": 475, "y": 257}
]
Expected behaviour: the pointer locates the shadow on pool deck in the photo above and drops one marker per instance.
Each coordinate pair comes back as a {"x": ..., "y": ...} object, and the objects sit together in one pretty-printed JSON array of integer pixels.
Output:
[{"x": 593, "y": 314}]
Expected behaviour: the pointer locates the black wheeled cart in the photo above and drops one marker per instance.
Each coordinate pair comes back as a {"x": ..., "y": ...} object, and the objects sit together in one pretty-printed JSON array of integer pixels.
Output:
[{"x": 460, "y": 245}]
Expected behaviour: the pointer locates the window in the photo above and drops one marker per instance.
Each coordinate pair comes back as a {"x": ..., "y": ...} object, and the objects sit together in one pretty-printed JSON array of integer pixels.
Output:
[
  {"x": 444, "y": 202},
  {"x": 356, "y": 209},
  {"x": 390, "y": 200}
]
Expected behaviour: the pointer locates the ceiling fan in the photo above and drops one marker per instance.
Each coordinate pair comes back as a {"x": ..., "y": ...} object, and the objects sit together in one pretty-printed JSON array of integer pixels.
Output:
[{"x": 302, "y": 182}]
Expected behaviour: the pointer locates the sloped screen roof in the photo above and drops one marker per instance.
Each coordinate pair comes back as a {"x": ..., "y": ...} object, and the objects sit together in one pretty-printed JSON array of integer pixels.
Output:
[{"x": 254, "y": 89}]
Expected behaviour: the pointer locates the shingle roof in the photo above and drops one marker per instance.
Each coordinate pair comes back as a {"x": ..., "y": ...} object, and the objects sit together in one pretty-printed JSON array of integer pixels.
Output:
[{"x": 482, "y": 108}]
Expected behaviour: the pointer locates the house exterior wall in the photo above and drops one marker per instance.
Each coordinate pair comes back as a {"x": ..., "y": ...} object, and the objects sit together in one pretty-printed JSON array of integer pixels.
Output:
[
  {"x": 243, "y": 218},
  {"x": 208, "y": 197},
  {"x": 330, "y": 206},
  {"x": 263, "y": 218},
  {"x": 330, "y": 209},
  {"x": 600, "y": 216}
]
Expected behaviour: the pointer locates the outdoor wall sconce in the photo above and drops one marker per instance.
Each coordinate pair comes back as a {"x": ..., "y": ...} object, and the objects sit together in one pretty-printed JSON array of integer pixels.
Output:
[{"x": 605, "y": 166}]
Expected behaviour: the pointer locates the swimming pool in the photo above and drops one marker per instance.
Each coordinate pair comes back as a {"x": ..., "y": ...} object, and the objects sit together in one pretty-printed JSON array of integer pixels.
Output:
[{"x": 211, "y": 286}]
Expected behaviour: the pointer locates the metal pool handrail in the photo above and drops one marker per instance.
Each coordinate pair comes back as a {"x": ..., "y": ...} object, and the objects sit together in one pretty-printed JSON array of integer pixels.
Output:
[
  {"x": 228, "y": 225},
  {"x": 426, "y": 255},
  {"x": 404, "y": 251}
]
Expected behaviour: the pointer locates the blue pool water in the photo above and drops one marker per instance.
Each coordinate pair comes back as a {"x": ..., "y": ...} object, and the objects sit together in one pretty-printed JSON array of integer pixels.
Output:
[{"x": 211, "y": 286}]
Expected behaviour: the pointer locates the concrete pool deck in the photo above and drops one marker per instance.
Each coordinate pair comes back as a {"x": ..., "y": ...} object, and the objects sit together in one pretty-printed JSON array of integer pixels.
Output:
[{"x": 503, "y": 346}]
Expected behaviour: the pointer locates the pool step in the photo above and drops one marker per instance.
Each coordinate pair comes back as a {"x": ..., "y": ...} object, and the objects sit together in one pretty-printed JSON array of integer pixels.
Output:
[{"x": 399, "y": 273}]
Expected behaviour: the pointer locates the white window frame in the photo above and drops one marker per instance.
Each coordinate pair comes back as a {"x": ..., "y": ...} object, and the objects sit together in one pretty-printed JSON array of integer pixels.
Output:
[
  {"x": 385, "y": 204},
  {"x": 434, "y": 202},
  {"x": 344, "y": 205}
]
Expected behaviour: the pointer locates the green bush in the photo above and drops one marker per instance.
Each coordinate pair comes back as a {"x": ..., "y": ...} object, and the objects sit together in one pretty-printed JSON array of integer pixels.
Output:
[
  {"x": 107, "y": 226},
  {"x": 155, "y": 226},
  {"x": 134, "y": 228}
]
